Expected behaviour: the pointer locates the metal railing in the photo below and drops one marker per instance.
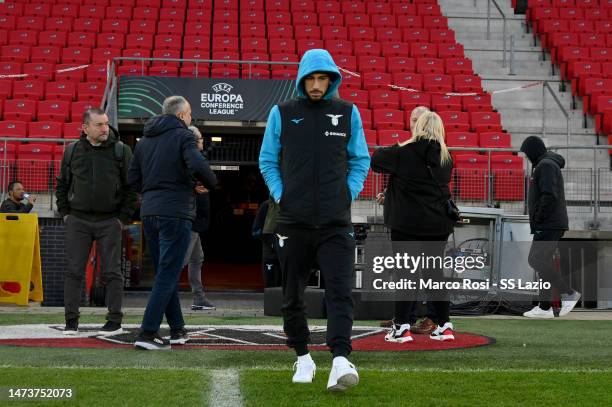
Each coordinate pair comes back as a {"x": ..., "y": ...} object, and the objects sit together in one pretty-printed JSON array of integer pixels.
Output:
[
  {"x": 568, "y": 117},
  {"x": 503, "y": 27}
]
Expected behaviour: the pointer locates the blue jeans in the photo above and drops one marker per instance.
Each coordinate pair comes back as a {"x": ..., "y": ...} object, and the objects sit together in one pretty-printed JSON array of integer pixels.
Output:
[{"x": 167, "y": 241}]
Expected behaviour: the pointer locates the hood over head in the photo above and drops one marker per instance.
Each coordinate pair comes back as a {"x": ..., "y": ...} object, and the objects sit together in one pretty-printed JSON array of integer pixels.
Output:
[
  {"x": 534, "y": 148},
  {"x": 318, "y": 60},
  {"x": 158, "y": 125}
]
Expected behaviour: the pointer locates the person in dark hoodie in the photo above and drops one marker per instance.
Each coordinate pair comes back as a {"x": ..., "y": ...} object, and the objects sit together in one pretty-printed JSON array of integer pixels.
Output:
[
  {"x": 194, "y": 258},
  {"x": 548, "y": 222},
  {"x": 415, "y": 211},
  {"x": 95, "y": 201},
  {"x": 314, "y": 159},
  {"x": 165, "y": 161}
]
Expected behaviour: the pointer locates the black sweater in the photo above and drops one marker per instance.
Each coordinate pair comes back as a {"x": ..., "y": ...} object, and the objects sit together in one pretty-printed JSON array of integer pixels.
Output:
[{"x": 414, "y": 204}]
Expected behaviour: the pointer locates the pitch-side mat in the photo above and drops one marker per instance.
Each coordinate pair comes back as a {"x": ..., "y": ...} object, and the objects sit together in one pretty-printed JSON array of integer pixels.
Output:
[{"x": 224, "y": 337}]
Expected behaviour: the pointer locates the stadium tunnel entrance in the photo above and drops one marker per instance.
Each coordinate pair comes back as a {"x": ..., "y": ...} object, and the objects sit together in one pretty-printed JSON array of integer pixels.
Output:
[{"x": 232, "y": 256}]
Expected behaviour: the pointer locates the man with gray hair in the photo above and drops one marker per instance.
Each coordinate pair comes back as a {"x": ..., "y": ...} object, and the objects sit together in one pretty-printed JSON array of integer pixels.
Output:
[{"x": 165, "y": 162}]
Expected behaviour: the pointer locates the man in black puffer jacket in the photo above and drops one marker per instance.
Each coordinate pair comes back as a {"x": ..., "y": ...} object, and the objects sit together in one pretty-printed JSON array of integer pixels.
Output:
[
  {"x": 162, "y": 168},
  {"x": 548, "y": 221}
]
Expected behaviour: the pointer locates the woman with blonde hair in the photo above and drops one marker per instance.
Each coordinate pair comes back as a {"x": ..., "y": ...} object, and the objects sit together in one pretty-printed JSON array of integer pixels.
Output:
[{"x": 415, "y": 211}]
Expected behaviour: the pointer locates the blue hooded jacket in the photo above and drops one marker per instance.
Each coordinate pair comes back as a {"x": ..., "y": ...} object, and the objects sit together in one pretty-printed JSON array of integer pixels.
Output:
[{"x": 315, "y": 60}]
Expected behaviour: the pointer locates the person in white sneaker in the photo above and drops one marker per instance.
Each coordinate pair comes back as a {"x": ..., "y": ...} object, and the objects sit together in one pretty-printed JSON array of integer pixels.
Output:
[
  {"x": 415, "y": 212},
  {"x": 314, "y": 159},
  {"x": 548, "y": 221}
]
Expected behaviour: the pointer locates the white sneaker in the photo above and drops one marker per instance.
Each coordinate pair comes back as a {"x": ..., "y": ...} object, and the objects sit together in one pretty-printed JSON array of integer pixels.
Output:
[
  {"x": 537, "y": 312},
  {"x": 305, "y": 369},
  {"x": 343, "y": 375},
  {"x": 568, "y": 302},
  {"x": 399, "y": 335},
  {"x": 443, "y": 333}
]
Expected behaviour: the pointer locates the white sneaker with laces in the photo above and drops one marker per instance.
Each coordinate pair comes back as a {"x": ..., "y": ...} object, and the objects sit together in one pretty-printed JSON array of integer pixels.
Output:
[
  {"x": 343, "y": 375},
  {"x": 399, "y": 335},
  {"x": 305, "y": 369},
  {"x": 443, "y": 333},
  {"x": 568, "y": 302},
  {"x": 539, "y": 313}
]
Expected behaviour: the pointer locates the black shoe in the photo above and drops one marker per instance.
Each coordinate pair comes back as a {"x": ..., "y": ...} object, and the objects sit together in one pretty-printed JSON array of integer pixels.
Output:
[
  {"x": 111, "y": 328},
  {"x": 147, "y": 341},
  {"x": 72, "y": 327},
  {"x": 179, "y": 337},
  {"x": 203, "y": 305}
]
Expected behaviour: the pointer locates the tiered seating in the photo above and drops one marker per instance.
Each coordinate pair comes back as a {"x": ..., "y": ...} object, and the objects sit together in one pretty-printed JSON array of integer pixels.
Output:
[
  {"x": 578, "y": 35},
  {"x": 400, "y": 43}
]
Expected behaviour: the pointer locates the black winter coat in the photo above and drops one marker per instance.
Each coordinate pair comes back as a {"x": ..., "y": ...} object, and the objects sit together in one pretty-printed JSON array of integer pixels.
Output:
[
  {"x": 547, "y": 209},
  {"x": 414, "y": 204},
  {"x": 165, "y": 161}
]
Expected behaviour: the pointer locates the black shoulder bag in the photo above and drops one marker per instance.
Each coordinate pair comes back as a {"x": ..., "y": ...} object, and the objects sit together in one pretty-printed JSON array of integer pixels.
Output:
[{"x": 451, "y": 208}]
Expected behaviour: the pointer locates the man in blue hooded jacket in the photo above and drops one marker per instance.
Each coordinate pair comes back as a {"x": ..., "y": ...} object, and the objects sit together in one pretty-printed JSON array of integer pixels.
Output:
[{"x": 314, "y": 159}]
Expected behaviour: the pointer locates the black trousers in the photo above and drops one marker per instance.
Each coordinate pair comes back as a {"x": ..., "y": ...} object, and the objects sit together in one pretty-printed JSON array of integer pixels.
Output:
[
  {"x": 404, "y": 310},
  {"x": 541, "y": 254},
  {"x": 80, "y": 235},
  {"x": 333, "y": 249}
]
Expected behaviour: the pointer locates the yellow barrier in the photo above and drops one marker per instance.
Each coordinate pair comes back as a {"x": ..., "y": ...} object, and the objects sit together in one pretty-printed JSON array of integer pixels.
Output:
[{"x": 20, "y": 269}]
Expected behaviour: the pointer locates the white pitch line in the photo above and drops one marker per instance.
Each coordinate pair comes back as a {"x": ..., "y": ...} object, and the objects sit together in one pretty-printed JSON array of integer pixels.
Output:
[{"x": 225, "y": 388}]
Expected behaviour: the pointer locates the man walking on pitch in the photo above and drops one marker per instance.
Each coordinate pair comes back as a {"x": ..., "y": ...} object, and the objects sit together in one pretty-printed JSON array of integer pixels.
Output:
[
  {"x": 548, "y": 221},
  {"x": 314, "y": 159}
]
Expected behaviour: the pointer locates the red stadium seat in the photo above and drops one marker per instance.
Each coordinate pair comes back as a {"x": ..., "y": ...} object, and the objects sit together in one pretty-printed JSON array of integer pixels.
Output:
[
  {"x": 455, "y": 121},
  {"x": 442, "y": 36},
  {"x": 462, "y": 139},
  {"x": 302, "y": 6},
  {"x": 145, "y": 13},
  {"x": 339, "y": 47},
  {"x": 102, "y": 55},
  {"x": 384, "y": 99},
  {"x": 360, "y": 33},
  {"x": 448, "y": 50},
  {"x": 172, "y": 14},
  {"x": 60, "y": 91},
  {"x": 165, "y": 41},
  {"x": 90, "y": 91},
  {"x": 401, "y": 64},
  {"x": 388, "y": 119},
  {"x": 382, "y": 20},
  {"x": 351, "y": 81},
  {"x": 334, "y": 33},
  {"x": 305, "y": 18},
  {"x": 111, "y": 40},
  {"x": 410, "y": 100},
  {"x": 33, "y": 166},
  {"x": 485, "y": 121},
  {"x": 225, "y": 44},
  {"x": 467, "y": 83},
  {"x": 416, "y": 35},
  {"x": 90, "y": 25},
  {"x": 353, "y": 7},
  {"x": 39, "y": 71},
  {"x": 279, "y": 18},
  {"x": 139, "y": 41},
  {"x": 166, "y": 54},
  {"x": 359, "y": 97},
  {"x": 307, "y": 32},
  {"x": 54, "y": 110},
  {"x": 281, "y": 46},
  {"x": 253, "y": 30},
  {"x": 48, "y": 129},
  {"x": 43, "y": 10},
  {"x": 408, "y": 80},
  {"x": 495, "y": 140},
  {"x": 52, "y": 38},
  {"x": 142, "y": 27},
  {"x": 440, "y": 102},
  {"x": 388, "y": 34},
  {"x": 371, "y": 64},
  {"x": 253, "y": 17},
  {"x": 200, "y": 15},
  {"x": 196, "y": 42},
  {"x": 13, "y": 128},
  {"x": 376, "y": 80},
  {"x": 82, "y": 39},
  {"x": 477, "y": 103},
  {"x": 331, "y": 20},
  {"x": 437, "y": 83},
  {"x": 395, "y": 49},
  {"x": 29, "y": 89},
  {"x": 409, "y": 21},
  {"x": 508, "y": 178},
  {"x": 356, "y": 20},
  {"x": 76, "y": 55},
  {"x": 392, "y": 137},
  {"x": 366, "y": 118},
  {"x": 24, "y": 38},
  {"x": 15, "y": 53},
  {"x": 472, "y": 175},
  {"x": 66, "y": 72},
  {"x": 430, "y": 65},
  {"x": 455, "y": 66},
  {"x": 367, "y": 48},
  {"x": 170, "y": 27},
  {"x": 164, "y": 70},
  {"x": 424, "y": 50},
  {"x": 225, "y": 72},
  {"x": 288, "y": 58},
  {"x": 277, "y": 5},
  {"x": 371, "y": 137},
  {"x": 6, "y": 89},
  {"x": 65, "y": 10},
  {"x": 347, "y": 62},
  {"x": 225, "y": 30},
  {"x": 305, "y": 45}
]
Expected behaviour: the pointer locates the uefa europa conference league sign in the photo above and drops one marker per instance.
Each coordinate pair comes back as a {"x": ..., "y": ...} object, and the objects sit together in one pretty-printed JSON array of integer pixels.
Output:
[{"x": 211, "y": 99}]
